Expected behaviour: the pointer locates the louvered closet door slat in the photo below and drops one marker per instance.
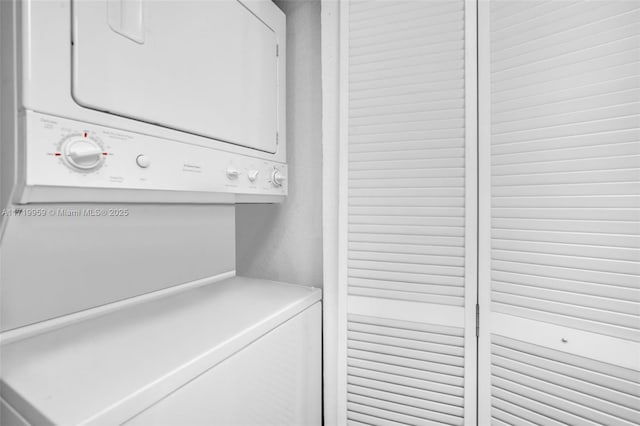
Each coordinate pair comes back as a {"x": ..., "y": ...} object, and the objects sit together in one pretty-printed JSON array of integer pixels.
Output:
[
  {"x": 413, "y": 369},
  {"x": 562, "y": 212},
  {"x": 442, "y": 402},
  {"x": 419, "y": 379}
]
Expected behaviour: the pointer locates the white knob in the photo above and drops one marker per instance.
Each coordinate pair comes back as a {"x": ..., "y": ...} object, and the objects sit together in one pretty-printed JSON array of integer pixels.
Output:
[
  {"x": 277, "y": 178},
  {"x": 232, "y": 172},
  {"x": 252, "y": 175},
  {"x": 83, "y": 154},
  {"x": 143, "y": 161}
]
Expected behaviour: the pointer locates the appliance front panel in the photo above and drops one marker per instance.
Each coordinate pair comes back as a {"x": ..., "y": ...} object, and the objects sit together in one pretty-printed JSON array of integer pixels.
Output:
[
  {"x": 72, "y": 155},
  {"x": 206, "y": 68}
]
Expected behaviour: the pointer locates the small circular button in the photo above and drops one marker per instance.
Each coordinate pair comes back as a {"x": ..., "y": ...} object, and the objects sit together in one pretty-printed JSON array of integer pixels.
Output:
[
  {"x": 252, "y": 175},
  {"x": 143, "y": 161}
]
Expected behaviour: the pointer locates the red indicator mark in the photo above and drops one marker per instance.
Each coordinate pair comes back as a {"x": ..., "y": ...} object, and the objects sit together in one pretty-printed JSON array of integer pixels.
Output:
[
  {"x": 85, "y": 134},
  {"x": 57, "y": 154},
  {"x": 105, "y": 153}
]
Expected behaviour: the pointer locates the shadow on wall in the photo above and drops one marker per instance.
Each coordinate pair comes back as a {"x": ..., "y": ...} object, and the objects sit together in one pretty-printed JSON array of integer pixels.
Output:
[{"x": 284, "y": 241}]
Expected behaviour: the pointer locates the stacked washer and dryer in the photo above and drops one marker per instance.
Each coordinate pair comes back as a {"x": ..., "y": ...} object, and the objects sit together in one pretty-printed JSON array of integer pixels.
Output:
[{"x": 129, "y": 131}]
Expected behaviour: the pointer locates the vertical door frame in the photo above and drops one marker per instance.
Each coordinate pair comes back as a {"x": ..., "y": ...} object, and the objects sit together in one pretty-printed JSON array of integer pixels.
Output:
[
  {"x": 343, "y": 210},
  {"x": 484, "y": 213},
  {"x": 471, "y": 211},
  {"x": 335, "y": 115}
]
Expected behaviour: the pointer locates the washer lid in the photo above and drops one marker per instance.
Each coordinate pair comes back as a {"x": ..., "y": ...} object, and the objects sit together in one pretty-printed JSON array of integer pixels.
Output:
[
  {"x": 107, "y": 369},
  {"x": 205, "y": 67}
]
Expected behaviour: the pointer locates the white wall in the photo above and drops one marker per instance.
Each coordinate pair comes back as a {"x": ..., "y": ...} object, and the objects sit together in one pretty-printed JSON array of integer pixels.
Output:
[
  {"x": 284, "y": 242},
  {"x": 56, "y": 265}
]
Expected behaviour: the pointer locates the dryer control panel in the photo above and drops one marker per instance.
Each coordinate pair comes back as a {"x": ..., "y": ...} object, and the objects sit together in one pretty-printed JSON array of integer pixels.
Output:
[{"x": 67, "y": 161}]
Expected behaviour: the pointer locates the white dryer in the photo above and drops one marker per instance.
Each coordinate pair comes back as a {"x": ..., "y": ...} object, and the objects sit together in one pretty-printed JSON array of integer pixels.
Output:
[{"x": 158, "y": 101}]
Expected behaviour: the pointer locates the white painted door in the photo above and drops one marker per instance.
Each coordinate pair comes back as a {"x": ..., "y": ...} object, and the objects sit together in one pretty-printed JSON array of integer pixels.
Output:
[
  {"x": 407, "y": 225},
  {"x": 559, "y": 213}
]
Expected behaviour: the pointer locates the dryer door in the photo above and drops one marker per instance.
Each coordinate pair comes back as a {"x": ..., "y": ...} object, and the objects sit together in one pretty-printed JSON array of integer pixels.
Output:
[{"x": 204, "y": 67}]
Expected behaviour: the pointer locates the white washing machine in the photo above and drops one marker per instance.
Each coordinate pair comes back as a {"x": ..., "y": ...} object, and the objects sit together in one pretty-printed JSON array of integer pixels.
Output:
[{"x": 237, "y": 352}]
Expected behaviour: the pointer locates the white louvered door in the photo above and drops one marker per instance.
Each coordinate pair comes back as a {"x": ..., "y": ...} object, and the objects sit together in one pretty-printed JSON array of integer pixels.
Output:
[
  {"x": 408, "y": 212},
  {"x": 559, "y": 213}
]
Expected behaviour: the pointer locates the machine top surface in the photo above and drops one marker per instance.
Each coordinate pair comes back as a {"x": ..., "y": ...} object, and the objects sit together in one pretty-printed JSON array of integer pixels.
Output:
[{"x": 133, "y": 357}]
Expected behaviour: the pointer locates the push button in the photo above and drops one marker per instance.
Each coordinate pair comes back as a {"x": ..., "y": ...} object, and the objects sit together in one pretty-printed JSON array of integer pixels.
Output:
[
  {"x": 143, "y": 161},
  {"x": 252, "y": 175}
]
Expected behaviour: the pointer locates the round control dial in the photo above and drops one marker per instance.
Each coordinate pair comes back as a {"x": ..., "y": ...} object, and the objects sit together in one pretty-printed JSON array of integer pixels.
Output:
[
  {"x": 82, "y": 154},
  {"x": 277, "y": 178}
]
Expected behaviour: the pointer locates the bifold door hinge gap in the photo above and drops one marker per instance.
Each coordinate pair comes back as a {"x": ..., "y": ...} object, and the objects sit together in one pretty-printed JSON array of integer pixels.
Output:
[
  {"x": 277, "y": 50},
  {"x": 477, "y": 320}
]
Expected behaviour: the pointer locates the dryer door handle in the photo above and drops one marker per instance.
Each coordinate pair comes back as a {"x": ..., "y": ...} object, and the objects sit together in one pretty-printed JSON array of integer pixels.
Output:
[{"x": 126, "y": 18}]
